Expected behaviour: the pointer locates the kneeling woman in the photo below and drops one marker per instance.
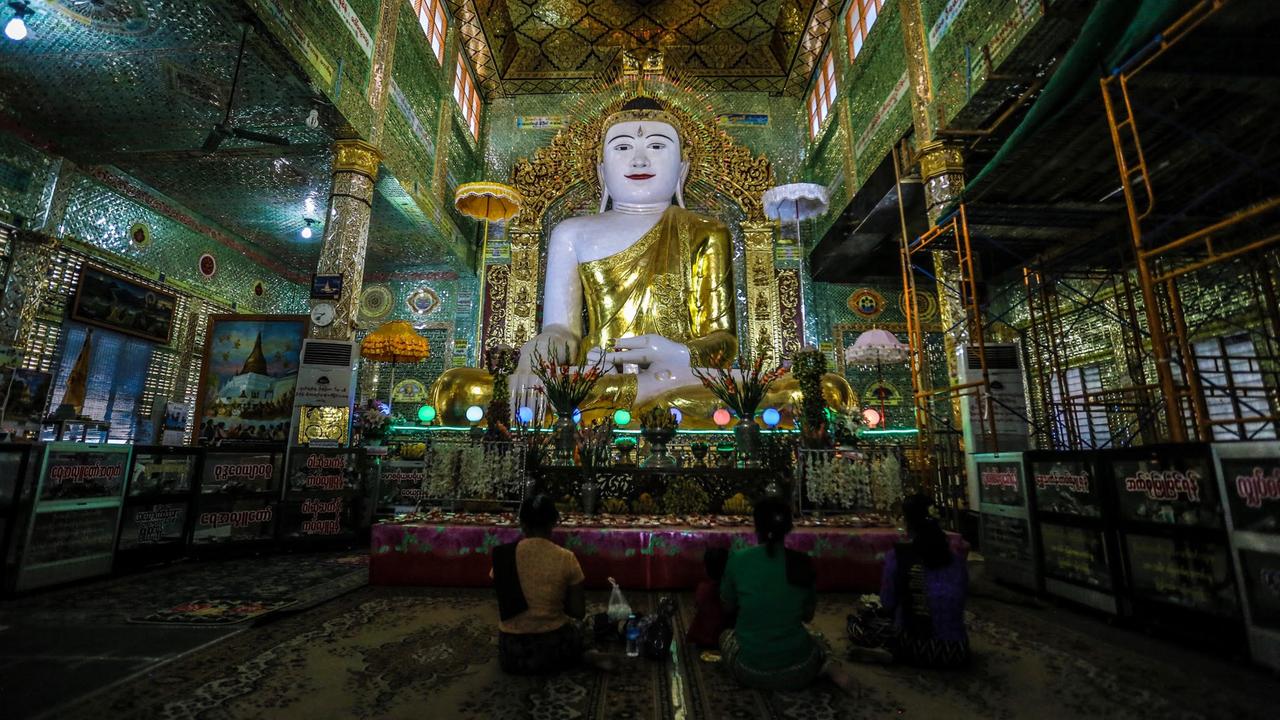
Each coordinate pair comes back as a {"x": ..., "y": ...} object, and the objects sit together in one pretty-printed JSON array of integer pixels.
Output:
[
  {"x": 540, "y": 596},
  {"x": 774, "y": 592}
]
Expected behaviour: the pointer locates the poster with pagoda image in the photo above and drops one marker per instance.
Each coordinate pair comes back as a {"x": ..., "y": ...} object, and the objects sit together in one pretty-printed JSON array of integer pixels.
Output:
[{"x": 248, "y": 378}]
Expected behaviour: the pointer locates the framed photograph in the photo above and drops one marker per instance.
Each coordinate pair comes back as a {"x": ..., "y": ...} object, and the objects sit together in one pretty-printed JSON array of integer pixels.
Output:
[
  {"x": 28, "y": 390},
  {"x": 326, "y": 287},
  {"x": 114, "y": 302},
  {"x": 248, "y": 378}
]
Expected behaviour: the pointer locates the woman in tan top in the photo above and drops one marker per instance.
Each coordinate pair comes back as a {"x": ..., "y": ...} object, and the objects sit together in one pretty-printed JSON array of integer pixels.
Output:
[{"x": 540, "y": 596}]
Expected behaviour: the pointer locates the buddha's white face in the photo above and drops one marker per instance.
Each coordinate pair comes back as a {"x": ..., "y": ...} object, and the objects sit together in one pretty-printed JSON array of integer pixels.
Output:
[{"x": 642, "y": 162}]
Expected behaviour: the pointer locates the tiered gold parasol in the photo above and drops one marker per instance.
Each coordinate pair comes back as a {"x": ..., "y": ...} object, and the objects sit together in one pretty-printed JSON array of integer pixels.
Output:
[
  {"x": 491, "y": 202},
  {"x": 395, "y": 342}
]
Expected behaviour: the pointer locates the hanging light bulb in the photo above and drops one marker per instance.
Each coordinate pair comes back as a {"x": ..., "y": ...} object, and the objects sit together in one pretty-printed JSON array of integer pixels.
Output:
[
  {"x": 306, "y": 230},
  {"x": 16, "y": 28}
]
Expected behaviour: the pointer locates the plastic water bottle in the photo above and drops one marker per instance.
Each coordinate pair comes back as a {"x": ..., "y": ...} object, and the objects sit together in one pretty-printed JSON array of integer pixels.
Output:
[{"x": 633, "y": 636}]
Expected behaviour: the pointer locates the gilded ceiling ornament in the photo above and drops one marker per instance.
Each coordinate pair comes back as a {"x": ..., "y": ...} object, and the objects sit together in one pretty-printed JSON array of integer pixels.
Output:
[
  {"x": 140, "y": 235},
  {"x": 208, "y": 265},
  {"x": 375, "y": 302},
  {"x": 423, "y": 301}
]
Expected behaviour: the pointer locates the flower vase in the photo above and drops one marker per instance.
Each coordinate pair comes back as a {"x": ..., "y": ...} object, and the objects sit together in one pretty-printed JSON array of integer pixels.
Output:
[
  {"x": 746, "y": 435},
  {"x": 658, "y": 455},
  {"x": 589, "y": 494},
  {"x": 565, "y": 439}
]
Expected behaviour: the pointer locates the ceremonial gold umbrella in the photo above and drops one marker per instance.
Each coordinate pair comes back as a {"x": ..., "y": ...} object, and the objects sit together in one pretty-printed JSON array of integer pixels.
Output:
[
  {"x": 395, "y": 342},
  {"x": 491, "y": 202}
]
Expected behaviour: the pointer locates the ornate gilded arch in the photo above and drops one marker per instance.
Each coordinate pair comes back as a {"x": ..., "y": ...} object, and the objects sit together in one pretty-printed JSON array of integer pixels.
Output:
[{"x": 716, "y": 161}]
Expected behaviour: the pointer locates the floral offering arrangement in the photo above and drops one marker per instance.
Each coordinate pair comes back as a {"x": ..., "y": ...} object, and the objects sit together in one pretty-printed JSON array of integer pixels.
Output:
[
  {"x": 644, "y": 505},
  {"x": 685, "y": 496},
  {"x": 656, "y": 418},
  {"x": 741, "y": 395},
  {"x": 614, "y": 506},
  {"x": 570, "y": 518},
  {"x": 737, "y": 505},
  {"x": 886, "y": 484},
  {"x": 595, "y": 443},
  {"x": 500, "y": 361},
  {"x": 810, "y": 364},
  {"x": 374, "y": 420},
  {"x": 441, "y": 480},
  {"x": 837, "y": 481},
  {"x": 565, "y": 385}
]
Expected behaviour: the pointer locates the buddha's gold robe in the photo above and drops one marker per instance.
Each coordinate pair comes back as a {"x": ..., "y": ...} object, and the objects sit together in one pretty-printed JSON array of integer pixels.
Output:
[{"x": 675, "y": 281}]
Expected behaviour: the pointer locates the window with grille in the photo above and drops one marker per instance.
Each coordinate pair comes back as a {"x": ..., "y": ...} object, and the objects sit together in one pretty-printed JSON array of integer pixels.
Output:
[
  {"x": 823, "y": 95},
  {"x": 171, "y": 372},
  {"x": 431, "y": 18},
  {"x": 1231, "y": 377},
  {"x": 464, "y": 91},
  {"x": 1071, "y": 412},
  {"x": 858, "y": 21},
  {"x": 114, "y": 388}
]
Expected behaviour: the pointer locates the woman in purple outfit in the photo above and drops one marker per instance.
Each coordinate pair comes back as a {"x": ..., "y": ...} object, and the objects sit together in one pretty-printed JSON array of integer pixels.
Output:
[{"x": 922, "y": 592}]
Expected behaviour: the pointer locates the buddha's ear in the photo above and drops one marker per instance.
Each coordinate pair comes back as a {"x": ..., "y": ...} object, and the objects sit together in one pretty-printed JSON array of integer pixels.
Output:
[
  {"x": 604, "y": 189},
  {"x": 684, "y": 175}
]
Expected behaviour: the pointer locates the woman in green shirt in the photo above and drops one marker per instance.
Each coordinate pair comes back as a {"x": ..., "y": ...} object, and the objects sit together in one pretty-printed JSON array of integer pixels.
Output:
[{"x": 773, "y": 591}]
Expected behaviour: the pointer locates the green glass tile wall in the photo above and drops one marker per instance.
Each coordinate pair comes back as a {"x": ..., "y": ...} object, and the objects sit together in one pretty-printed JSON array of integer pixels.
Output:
[{"x": 955, "y": 33}]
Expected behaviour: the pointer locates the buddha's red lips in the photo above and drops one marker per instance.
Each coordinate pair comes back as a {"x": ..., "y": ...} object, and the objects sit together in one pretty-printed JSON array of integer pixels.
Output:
[{"x": 639, "y": 176}]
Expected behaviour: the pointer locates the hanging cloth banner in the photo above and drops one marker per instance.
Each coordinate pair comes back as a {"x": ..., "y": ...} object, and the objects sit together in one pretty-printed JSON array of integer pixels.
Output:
[{"x": 352, "y": 21}]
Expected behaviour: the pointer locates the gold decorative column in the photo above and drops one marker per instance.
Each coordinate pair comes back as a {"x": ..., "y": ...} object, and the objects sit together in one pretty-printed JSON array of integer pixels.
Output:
[
  {"x": 942, "y": 170},
  {"x": 30, "y": 256},
  {"x": 522, "y": 286},
  {"x": 918, "y": 74},
  {"x": 384, "y": 49},
  {"x": 346, "y": 230},
  {"x": 763, "y": 326}
]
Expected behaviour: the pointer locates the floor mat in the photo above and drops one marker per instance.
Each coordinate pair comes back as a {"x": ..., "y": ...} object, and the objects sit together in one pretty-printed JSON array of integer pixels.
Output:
[
  {"x": 1023, "y": 667},
  {"x": 213, "y": 611},
  {"x": 382, "y": 653},
  {"x": 306, "y": 579}
]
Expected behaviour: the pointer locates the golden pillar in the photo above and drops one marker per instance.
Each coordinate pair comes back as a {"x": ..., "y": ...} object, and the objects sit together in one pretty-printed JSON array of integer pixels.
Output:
[
  {"x": 346, "y": 230},
  {"x": 23, "y": 291},
  {"x": 384, "y": 49},
  {"x": 918, "y": 74},
  {"x": 763, "y": 322},
  {"x": 942, "y": 170},
  {"x": 522, "y": 286}
]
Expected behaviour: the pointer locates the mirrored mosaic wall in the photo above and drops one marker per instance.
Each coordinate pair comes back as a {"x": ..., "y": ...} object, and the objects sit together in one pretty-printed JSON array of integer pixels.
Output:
[
  {"x": 872, "y": 108},
  {"x": 843, "y": 312},
  {"x": 62, "y": 201}
]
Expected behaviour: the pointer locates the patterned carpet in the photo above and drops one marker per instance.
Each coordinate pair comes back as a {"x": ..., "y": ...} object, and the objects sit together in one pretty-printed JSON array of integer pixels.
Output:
[
  {"x": 397, "y": 652},
  {"x": 382, "y": 653},
  {"x": 302, "y": 579}
]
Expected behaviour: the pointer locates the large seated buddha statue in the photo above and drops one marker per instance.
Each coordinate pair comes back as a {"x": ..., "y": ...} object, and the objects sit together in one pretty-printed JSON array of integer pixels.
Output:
[{"x": 656, "y": 281}]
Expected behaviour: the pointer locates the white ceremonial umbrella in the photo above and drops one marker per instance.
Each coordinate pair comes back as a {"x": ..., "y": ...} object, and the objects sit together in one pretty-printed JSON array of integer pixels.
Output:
[
  {"x": 797, "y": 201},
  {"x": 879, "y": 347}
]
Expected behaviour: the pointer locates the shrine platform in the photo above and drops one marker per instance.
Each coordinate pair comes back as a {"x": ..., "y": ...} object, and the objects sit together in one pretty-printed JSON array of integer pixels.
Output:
[{"x": 652, "y": 558}]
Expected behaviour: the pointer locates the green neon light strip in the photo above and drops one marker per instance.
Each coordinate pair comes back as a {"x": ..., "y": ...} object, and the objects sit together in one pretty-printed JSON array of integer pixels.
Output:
[{"x": 462, "y": 428}]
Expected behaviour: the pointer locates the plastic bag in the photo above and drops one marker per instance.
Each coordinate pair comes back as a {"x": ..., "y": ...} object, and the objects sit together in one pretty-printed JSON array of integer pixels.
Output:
[{"x": 619, "y": 608}]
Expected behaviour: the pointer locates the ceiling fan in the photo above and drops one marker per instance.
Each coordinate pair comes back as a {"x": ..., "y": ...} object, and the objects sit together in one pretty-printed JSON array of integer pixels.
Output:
[{"x": 224, "y": 129}]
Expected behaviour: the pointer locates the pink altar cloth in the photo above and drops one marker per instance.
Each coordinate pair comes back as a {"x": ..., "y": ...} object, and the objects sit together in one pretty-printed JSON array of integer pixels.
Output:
[{"x": 659, "y": 558}]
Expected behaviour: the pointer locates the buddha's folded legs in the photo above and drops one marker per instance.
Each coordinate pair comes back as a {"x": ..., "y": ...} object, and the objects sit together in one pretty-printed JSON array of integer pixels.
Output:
[{"x": 460, "y": 388}]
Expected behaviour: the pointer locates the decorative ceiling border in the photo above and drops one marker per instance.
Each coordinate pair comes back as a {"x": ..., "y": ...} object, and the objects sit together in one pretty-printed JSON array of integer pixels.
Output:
[
  {"x": 816, "y": 36},
  {"x": 471, "y": 36},
  {"x": 488, "y": 57}
]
